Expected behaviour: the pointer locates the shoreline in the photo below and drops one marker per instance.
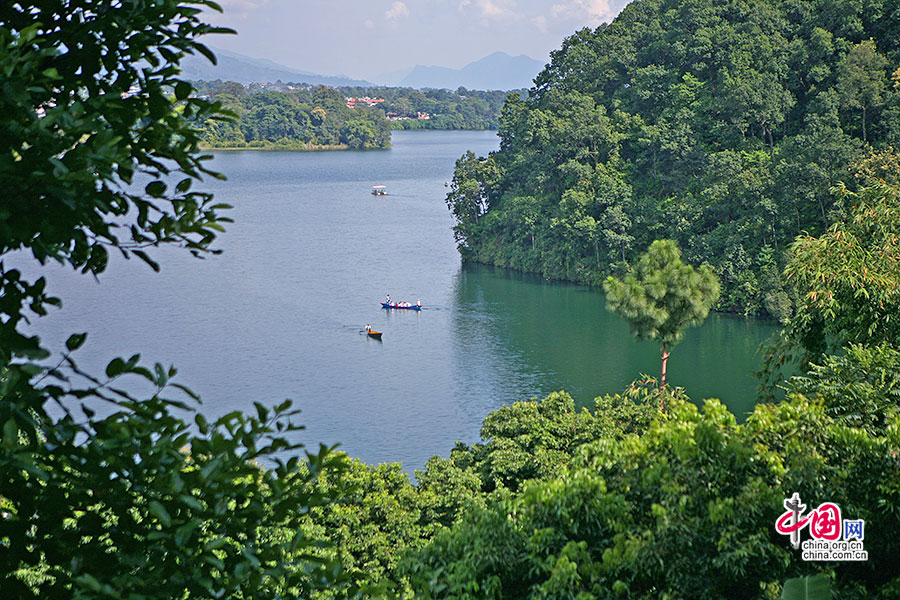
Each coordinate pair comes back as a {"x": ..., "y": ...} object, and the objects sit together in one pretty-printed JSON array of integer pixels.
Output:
[
  {"x": 323, "y": 148},
  {"x": 537, "y": 275}
]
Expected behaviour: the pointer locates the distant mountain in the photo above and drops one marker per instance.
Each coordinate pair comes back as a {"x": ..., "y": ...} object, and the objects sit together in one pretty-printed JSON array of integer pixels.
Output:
[
  {"x": 245, "y": 69},
  {"x": 393, "y": 78},
  {"x": 499, "y": 71}
]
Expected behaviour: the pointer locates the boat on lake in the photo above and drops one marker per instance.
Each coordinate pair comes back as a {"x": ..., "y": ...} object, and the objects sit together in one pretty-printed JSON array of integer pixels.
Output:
[
  {"x": 374, "y": 334},
  {"x": 379, "y": 190},
  {"x": 398, "y": 306}
]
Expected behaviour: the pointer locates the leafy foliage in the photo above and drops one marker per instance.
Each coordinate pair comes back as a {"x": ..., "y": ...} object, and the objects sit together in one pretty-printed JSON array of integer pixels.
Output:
[
  {"x": 861, "y": 388},
  {"x": 107, "y": 492},
  {"x": 536, "y": 439},
  {"x": 460, "y": 109},
  {"x": 306, "y": 117},
  {"x": 382, "y": 517},
  {"x": 722, "y": 125},
  {"x": 301, "y": 119},
  {"x": 850, "y": 276},
  {"x": 111, "y": 493},
  {"x": 141, "y": 504},
  {"x": 848, "y": 279},
  {"x": 684, "y": 509},
  {"x": 814, "y": 587},
  {"x": 376, "y": 514},
  {"x": 627, "y": 502},
  {"x": 469, "y": 194}
]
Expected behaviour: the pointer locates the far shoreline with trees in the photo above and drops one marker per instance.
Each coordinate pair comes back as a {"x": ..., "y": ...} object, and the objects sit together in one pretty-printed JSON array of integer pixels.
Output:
[{"x": 311, "y": 118}]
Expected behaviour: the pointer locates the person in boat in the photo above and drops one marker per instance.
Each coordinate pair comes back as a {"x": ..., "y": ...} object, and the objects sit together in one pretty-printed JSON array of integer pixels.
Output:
[
  {"x": 388, "y": 301},
  {"x": 368, "y": 328},
  {"x": 418, "y": 302}
]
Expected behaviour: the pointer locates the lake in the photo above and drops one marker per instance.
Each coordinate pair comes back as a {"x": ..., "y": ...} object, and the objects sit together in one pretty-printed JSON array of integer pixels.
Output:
[{"x": 312, "y": 253}]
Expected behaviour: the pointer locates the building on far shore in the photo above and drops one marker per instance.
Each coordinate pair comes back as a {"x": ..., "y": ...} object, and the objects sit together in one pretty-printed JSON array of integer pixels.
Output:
[
  {"x": 392, "y": 116},
  {"x": 364, "y": 101}
]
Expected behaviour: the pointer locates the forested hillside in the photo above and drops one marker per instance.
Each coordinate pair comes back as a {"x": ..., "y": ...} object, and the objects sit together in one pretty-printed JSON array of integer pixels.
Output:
[
  {"x": 720, "y": 124},
  {"x": 462, "y": 109},
  {"x": 286, "y": 115},
  {"x": 313, "y": 118}
]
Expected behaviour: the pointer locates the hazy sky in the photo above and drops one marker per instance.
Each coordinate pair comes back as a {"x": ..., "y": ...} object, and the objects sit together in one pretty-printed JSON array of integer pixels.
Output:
[{"x": 364, "y": 38}]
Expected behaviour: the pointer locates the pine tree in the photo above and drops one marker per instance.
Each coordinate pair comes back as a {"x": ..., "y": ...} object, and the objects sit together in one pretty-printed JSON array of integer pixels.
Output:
[{"x": 662, "y": 296}]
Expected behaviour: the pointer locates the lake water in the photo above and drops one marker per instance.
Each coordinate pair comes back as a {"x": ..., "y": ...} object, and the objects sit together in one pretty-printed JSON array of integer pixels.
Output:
[{"x": 312, "y": 252}]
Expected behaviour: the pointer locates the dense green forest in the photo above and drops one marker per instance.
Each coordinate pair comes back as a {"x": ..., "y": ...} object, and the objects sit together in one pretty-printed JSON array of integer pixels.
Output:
[
  {"x": 305, "y": 119},
  {"x": 298, "y": 116},
  {"x": 110, "y": 493},
  {"x": 721, "y": 125},
  {"x": 462, "y": 109}
]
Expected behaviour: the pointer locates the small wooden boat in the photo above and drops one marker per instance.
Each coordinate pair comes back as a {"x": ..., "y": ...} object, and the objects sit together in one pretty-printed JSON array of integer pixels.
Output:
[
  {"x": 394, "y": 305},
  {"x": 379, "y": 190},
  {"x": 374, "y": 334}
]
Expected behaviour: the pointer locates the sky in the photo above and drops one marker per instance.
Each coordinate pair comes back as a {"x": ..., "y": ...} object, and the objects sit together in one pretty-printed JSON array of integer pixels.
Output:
[{"x": 366, "y": 38}]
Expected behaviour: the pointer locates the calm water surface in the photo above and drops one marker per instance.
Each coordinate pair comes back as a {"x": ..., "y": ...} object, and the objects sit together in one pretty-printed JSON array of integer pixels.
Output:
[{"x": 310, "y": 255}]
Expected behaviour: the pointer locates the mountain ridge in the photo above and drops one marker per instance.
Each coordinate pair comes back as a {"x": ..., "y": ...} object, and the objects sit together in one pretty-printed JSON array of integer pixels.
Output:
[
  {"x": 497, "y": 71},
  {"x": 233, "y": 66}
]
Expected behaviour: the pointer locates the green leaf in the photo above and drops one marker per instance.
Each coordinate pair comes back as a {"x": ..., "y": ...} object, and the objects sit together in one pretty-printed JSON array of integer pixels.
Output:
[
  {"x": 59, "y": 169},
  {"x": 194, "y": 395},
  {"x": 183, "y": 533},
  {"x": 811, "y": 587},
  {"x": 201, "y": 422},
  {"x": 89, "y": 582},
  {"x": 206, "y": 52},
  {"x": 182, "y": 90},
  {"x": 155, "y": 189},
  {"x": 261, "y": 411},
  {"x": 216, "y": 543},
  {"x": 75, "y": 341},
  {"x": 143, "y": 256},
  {"x": 191, "y": 502},
  {"x": 10, "y": 433},
  {"x": 115, "y": 367},
  {"x": 159, "y": 511},
  {"x": 207, "y": 470}
]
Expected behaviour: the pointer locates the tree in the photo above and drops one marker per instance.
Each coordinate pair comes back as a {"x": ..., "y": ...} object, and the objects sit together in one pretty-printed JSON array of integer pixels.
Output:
[
  {"x": 662, "y": 296},
  {"x": 379, "y": 516},
  {"x": 848, "y": 279},
  {"x": 231, "y": 88},
  {"x": 106, "y": 493},
  {"x": 469, "y": 194},
  {"x": 536, "y": 440},
  {"x": 859, "y": 388},
  {"x": 683, "y": 508},
  {"x": 358, "y": 133},
  {"x": 318, "y": 115},
  {"x": 713, "y": 125},
  {"x": 862, "y": 78}
]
